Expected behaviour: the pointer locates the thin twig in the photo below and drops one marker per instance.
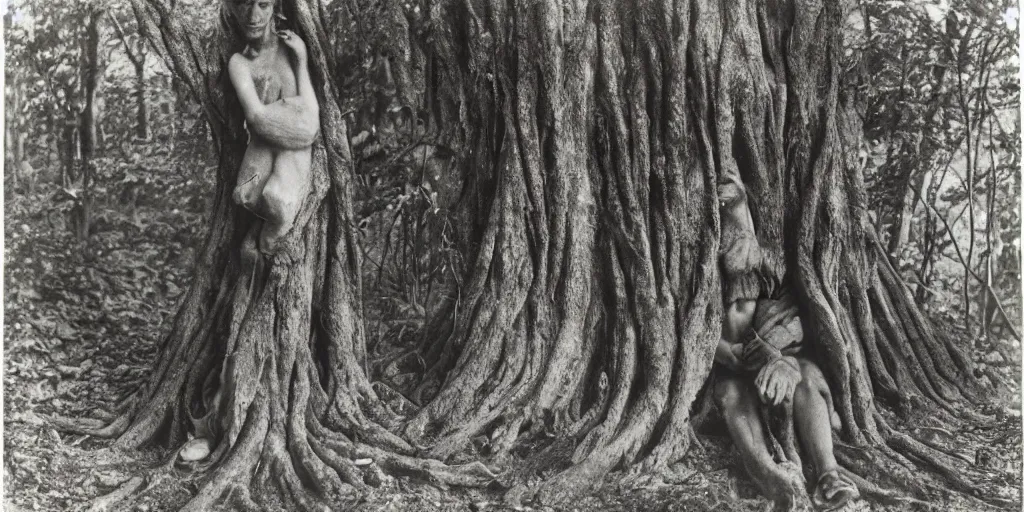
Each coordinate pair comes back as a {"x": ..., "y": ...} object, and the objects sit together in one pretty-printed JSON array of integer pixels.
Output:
[{"x": 971, "y": 272}]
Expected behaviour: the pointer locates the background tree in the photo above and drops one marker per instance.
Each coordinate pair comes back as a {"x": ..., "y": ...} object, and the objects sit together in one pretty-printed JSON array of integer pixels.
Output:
[
  {"x": 67, "y": 70},
  {"x": 50, "y": 46},
  {"x": 942, "y": 103},
  {"x": 136, "y": 50}
]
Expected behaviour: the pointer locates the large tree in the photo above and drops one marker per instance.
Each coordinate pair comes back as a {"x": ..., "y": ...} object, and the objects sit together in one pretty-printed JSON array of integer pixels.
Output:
[{"x": 591, "y": 135}]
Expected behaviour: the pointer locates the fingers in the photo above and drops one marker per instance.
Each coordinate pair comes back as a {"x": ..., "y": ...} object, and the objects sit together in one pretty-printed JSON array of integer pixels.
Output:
[
  {"x": 761, "y": 376},
  {"x": 762, "y": 390},
  {"x": 786, "y": 393},
  {"x": 780, "y": 393},
  {"x": 748, "y": 350},
  {"x": 289, "y": 38},
  {"x": 773, "y": 387}
]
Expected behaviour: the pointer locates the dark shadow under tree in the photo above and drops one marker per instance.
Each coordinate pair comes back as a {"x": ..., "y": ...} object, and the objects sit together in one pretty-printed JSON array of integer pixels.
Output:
[{"x": 591, "y": 136}]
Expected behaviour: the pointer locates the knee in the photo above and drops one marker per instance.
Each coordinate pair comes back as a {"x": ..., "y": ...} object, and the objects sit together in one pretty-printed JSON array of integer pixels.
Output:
[
  {"x": 284, "y": 200},
  {"x": 273, "y": 200},
  {"x": 812, "y": 380},
  {"x": 728, "y": 394},
  {"x": 245, "y": 197}
]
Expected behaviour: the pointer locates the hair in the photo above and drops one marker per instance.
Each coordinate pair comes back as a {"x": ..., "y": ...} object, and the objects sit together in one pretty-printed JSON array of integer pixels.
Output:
[{"x": 229, "y": 26}]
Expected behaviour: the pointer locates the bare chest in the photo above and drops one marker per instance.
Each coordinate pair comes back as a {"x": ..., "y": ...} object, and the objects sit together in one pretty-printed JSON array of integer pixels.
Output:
[{"x": 273, "y": 77}]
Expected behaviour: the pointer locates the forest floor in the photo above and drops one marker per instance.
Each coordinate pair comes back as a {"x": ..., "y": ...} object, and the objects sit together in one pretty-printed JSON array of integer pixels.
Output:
[{"x": 82, "y": 321}]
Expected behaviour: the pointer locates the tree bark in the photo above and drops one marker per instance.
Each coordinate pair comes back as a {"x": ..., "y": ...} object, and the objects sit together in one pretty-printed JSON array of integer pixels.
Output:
[
  {"x": 591, "y": 137},
  {"x": 594, "y": 135},
  {"x": 142, "y": 109},
  {"x": 265, "y": 356},
  {"x": 90, "y": 82}
]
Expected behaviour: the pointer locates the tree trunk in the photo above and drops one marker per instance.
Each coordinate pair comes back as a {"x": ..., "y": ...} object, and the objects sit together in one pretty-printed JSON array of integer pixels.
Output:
[
  {"x": 266, "y": 356},
  {"x": 69, "y": 147},
  {"x": 90, "y": 81},
  {"x": 142, "y": 111},
  {"x": 88, "y": 120},
  {"x": 591, "y": 137},
  {"x": 594, "y": 136},
  {"x": 899, "y": 234}
]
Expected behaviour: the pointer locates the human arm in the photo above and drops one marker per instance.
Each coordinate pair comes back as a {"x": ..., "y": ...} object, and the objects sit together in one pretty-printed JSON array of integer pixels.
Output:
[
  {"x": 286, "y": 124},
  {"x": 300, "y": 64},
  {"x": 291, "y": 123},
  {"x": 735, "y": 319},
  {"x": 727, "y": 354},
  {"x": 777, "y": 380}
]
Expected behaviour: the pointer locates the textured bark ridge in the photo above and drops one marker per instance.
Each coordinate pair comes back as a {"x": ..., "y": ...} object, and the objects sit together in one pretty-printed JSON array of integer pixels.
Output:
[
  {"x": 591, "y": 136},
  {"x": 267, "y": 356}
]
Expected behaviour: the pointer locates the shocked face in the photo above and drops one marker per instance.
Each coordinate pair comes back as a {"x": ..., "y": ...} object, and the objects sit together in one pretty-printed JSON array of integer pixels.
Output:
[{"x": 253, "y": 17}]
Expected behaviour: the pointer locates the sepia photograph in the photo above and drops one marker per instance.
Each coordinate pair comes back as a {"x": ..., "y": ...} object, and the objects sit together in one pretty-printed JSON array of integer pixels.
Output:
[{"x": 512, "y": 255}]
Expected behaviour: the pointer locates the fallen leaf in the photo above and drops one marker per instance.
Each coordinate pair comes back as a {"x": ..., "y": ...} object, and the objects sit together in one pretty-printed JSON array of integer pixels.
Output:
[{"x": 65, "y": 331}]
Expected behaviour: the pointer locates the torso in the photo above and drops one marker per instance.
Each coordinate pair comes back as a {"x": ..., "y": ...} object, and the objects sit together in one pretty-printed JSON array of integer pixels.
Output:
[{"x": 272, "y": 74}]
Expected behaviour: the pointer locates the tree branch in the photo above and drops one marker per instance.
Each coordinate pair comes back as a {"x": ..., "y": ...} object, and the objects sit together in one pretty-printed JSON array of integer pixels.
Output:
[
  {"x": 157, "y": 23},
  {"x": 124, "y": 39},
  {"x": 971, "y": 272}
]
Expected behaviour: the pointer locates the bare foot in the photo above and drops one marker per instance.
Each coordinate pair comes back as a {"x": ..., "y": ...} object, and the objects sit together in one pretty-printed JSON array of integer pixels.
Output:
[{"x": 780, "y": 483}]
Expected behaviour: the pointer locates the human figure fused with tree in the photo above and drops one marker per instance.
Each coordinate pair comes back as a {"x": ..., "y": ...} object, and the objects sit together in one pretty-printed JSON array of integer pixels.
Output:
[
  {"x": 271, "y": 78},
  {"x": 762, "y": 364}
]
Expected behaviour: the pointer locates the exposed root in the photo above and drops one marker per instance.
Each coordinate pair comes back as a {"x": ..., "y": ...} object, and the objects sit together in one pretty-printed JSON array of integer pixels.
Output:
[
  {"x": 120, "y": 498},
  {"x": 592, "y": 137}
]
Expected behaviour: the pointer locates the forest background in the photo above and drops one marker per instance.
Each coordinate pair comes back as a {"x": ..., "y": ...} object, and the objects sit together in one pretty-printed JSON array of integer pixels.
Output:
[{"x": 109, "y": 168}]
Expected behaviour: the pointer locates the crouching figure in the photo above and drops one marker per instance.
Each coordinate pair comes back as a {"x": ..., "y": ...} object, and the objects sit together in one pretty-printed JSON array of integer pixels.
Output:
[
  {"x": 272, "y": 81},
  {"x": 761, "y": 369}
]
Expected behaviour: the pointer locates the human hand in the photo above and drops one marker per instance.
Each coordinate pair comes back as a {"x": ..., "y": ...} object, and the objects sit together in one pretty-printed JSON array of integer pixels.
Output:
[
  {"x": 777, "y": 380},
  {"x": 757, "y": 353},
  {"x": 295, "y": 44},
  {"x": 727, "y": 354}
]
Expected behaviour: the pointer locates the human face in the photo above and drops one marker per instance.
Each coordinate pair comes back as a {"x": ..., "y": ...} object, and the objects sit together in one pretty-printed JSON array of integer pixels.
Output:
[
  {"x": 253, "y": 17},
  {"x": 732, "y": 203}
]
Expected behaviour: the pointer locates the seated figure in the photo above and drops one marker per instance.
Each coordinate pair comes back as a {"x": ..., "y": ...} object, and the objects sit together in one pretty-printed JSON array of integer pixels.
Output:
[
  {"x": 271, "y": 78},
  {"x": 760, "y": 366}
]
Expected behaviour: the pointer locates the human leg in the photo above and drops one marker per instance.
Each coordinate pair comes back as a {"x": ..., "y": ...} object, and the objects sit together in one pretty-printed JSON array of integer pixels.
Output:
[
  {"x": 738, "y": 401},
  {"x": 257, "y": 166},
  {"x": 812, "y": 414},
  {"x": 283, "y": 194}
]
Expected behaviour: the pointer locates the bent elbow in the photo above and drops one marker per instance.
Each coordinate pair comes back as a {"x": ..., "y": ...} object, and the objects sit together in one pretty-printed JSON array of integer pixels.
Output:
[
  {"x": 253, "y": 116},
  {"x": 287, "y": 124}
]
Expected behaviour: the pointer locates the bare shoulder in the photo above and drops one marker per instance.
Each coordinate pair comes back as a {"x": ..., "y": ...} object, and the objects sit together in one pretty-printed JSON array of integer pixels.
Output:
[
  {"x": 239, "y": 69},
  {"x": 239, "y": 63},
  {"x": 238, "y": 60}
]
